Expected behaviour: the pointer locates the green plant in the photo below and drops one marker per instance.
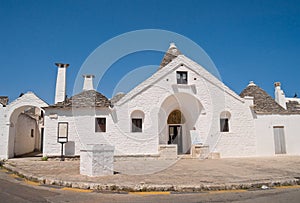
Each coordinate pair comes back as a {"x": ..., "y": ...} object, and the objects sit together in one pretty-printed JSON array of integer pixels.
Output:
[{"x": 44, "y": 158}]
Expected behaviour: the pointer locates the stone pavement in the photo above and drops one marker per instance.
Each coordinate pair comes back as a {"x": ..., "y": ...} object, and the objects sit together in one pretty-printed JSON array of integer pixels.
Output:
[{"x": 166, "y": 175}]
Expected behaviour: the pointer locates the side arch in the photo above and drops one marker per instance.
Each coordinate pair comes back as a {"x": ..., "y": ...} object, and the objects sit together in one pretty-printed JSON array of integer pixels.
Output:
[{"x": 24, "y": 125}]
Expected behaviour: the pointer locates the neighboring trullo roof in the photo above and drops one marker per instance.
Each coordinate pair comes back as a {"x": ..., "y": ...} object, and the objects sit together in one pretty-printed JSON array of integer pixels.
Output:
[
  {"x": 172, "y": 53},
  {"x": 4, "y": 100},
  {"x": 263, "y": 102},
  {"x": 117, "y": 97},
  {"x": 293, "y": 106},
  {"x": 88, "y": 98}
]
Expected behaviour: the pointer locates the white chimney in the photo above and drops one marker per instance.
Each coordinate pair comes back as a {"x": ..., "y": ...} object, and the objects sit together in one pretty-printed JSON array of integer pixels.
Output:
[
  {"x": 279, "y": 95},
  {"x": 60, "y": 92},
  {"x": 88, "y": 82}
]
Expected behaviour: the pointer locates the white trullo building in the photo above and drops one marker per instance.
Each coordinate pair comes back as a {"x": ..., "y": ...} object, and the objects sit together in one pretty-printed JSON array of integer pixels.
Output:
[{"x": 180, "y": 109}]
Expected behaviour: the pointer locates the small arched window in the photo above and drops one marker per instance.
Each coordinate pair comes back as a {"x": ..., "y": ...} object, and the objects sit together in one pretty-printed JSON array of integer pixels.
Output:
[
  {"x": 137, "y": 119},
  {"x": 224, "y": 121}
]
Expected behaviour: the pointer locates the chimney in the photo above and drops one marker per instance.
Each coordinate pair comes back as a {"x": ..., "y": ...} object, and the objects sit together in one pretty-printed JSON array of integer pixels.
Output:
[
  {"x": 88, "y": 82},
  {"x": 60, "y": 92},
  {"x": 279, "y": 95}
]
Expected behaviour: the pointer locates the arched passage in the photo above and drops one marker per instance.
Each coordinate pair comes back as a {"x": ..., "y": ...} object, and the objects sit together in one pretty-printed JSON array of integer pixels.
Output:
[
  {"x": 179, "y": 114},
  {"x": 25, "y": 125}
]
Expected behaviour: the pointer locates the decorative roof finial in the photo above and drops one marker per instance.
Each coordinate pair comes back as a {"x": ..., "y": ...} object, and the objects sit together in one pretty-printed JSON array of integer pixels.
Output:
[
  {"x": 172, "y": 45},
  {"x": 277, "y": 84},
  {"x": 251, "y": 83}
]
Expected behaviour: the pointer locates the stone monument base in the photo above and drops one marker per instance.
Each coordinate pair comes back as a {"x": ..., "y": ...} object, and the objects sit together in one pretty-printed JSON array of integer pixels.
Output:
[{"x": 97, "y": 160}]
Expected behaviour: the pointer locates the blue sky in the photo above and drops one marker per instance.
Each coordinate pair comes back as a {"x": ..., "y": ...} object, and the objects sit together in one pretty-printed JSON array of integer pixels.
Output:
[{"x": 247, "y": 40}]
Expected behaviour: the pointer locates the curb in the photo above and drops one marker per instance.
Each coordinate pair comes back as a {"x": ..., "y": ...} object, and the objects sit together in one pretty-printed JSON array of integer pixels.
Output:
[{"x": 98, "y": 187}]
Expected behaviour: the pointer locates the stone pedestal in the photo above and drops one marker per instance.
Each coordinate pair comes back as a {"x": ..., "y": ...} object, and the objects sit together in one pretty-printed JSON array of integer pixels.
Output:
[
  {"x": 168, "y": 151},
  {"x": 199, "y": 151},
  {"x": 97, "y": 160}
]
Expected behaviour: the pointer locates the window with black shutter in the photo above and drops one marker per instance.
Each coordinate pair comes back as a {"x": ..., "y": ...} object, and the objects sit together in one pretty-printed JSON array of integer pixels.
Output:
[
  {"x": 100, "y": 125},
  {"x": 136, "y": 125},
  {"x": 181, "y": 77}
]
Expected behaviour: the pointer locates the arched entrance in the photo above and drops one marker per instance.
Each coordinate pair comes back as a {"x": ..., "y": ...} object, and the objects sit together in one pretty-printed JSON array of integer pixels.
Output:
[
  {"x": 175, "y": 122},
  {"x": 178, "y": 116},
  {"x": 25, "y": 129}
]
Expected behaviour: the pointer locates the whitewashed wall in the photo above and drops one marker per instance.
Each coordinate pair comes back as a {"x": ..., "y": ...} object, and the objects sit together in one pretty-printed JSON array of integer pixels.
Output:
[
  {"x": 265, "y": 136},
  {"x": 24, "y": 142},
  {"x": 3, "y": 133},
  {"x": 82, "y": 132}
]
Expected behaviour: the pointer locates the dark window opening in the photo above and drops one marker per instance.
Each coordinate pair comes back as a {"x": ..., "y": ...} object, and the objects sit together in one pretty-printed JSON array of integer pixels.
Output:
[
  {"x": 100, "y": 125},
  {"x": 137, "y": 125},
  {"x": 32, "y": 133},
  {"x": 181, "y": 77},
  {"x": 224, "y": 124}
]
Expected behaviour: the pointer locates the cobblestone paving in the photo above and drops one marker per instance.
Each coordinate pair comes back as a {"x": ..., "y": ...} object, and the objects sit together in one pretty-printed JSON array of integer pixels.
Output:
[{"x": 184, "y": 172}]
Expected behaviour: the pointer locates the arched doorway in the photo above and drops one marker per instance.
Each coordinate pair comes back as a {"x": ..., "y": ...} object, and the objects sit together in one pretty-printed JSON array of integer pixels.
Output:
[
  {"x": 179, "y": 114},
  {"x": 25, "y": 131},
  {"x": 175, "y": 122},
  {"x": 25, "y": 125}
]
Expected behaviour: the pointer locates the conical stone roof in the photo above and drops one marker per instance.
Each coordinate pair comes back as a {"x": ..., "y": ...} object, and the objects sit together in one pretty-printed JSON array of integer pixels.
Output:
[
  {"x": 172, "y": 53},
  {"x": 263, "y": 102},
  {"x": 88, "y": 98}
]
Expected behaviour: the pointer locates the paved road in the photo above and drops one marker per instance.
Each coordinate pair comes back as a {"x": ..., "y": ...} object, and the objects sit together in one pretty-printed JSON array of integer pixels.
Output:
[
  {"x": 16, "y": 190},
  {"x": 13, "y": 190}
]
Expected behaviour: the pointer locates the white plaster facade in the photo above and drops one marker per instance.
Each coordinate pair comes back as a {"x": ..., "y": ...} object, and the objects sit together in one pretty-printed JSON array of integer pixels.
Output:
[
  {"x": 26, "y": 136},
  {"x": 265, "y": 134}
]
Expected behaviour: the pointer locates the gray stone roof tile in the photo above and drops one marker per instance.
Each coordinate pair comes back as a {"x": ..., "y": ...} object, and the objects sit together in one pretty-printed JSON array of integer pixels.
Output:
[
  {"x": 293, "y": 106},
  {"x": 263, "y": 102},
  {"x": 89, "y": 98},
  {"x": 117, "y": 97},
  {"x": 4, "y": 100}
]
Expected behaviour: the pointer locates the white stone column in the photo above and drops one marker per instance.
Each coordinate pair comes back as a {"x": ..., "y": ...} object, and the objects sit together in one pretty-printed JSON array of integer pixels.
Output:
[
  {"x": 97, "y": 160},
  {"x": 60, "y": 91},
  {"x": 88, "y": 82},
  {"x": 279, "y": 95}
]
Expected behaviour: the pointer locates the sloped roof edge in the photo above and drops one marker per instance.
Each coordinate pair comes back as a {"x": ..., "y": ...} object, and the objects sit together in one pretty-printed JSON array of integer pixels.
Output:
[
  {"x": 87, "y": 98},
  {"x": 26, "y": 95},
  {"x": 174, "y": 64}
]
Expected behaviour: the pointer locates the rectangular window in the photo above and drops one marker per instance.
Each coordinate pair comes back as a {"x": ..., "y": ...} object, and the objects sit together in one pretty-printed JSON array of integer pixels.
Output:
[
  {"x": 136, "y": 125},
  {"x": 224, "y": 124},
  {"x": 181, "y": 77},
  {"x": 32, "y": 133},
  {"x": 100, "y": 125}
]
